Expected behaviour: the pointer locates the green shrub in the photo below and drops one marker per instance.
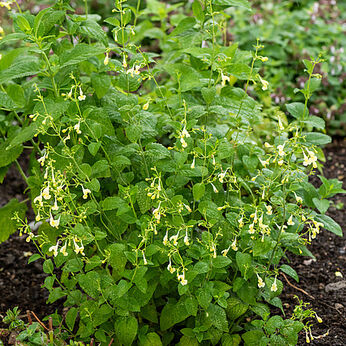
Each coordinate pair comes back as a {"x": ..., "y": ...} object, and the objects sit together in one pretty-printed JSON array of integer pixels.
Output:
[{"x": 167, "y": 198}]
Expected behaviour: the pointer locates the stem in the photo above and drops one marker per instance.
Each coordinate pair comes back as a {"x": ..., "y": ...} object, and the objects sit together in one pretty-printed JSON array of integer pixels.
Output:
[
  {"x": 21, "y": 172},
  {"x": 86, "y": 8},
  {"x": 137, "y": 10}
]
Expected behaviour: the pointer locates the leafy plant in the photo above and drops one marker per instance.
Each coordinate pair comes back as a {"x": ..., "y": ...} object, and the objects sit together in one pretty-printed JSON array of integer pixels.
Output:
[{"x": 166, "y": 197}]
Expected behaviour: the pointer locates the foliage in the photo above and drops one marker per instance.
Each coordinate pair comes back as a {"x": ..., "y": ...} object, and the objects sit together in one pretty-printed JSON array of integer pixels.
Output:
[
  {"x": 292, "y": 31},
  {"x": 166, "y": 198}
]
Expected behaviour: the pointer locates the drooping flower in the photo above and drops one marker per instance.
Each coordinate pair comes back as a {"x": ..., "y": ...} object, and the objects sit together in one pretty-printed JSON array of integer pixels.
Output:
[
  {"x": 106, "y": 60},
  {"x": 170, "y": 268},
  {"x": 54, "y": 249},
  {"x": 45, "y": 193},
  {"x": 260, "y": 282},
  {"x": 290, "y": 221},
  {"x": 234, "y": 245},
  {"x": 77, "y": 128},
  {"x": 214, "y": 188},
  {"x": 165, "y": 239},
  {"x": 54, "y": 223},
  {"x": 144, "y": 259},
  {"x": 63, "y": 250},
  {"x": 186, "y": 239},
  {"x": 81, "y": 96},
  {"x": 78, "y": 249},
  {"x": 193, "y": 162},
  {"x": 269, "y": 209},
  {"x": 274, "y": 287},
  {"x": 85, "y": 192}
]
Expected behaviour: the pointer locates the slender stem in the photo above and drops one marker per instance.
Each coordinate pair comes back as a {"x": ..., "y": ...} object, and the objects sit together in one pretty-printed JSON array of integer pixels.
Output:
[
  {"x": 86, "y": 8},
  {"x": 21, "y": 172}
]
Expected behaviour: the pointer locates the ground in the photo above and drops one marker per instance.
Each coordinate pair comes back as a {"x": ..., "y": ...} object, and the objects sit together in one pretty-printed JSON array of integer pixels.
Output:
[{"x": 20, "y": 283}]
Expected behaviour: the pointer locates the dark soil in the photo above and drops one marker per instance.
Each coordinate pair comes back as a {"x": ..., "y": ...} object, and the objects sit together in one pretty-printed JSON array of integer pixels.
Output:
[{"x": 20, "y": 283}]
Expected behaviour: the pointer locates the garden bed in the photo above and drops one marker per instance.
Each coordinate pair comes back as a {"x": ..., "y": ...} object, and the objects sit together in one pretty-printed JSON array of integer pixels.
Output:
[{"x": 20, "y": 283}]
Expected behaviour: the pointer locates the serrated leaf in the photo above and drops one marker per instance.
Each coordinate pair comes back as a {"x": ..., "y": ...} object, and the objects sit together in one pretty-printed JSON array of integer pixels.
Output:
[
  {"x": 101, "y": 83},
  {"x": 70, "y": 318},
  {"x": 321, "y": 204},
  {"x": 316, "y": 138},
  {"x": 79, "y": 53},
  {"x": 126, "y": 329},
  {"x": 290, "y": 271},
  {"x": 329, "y": 224},
  {"x": 8, "y": 155},
  {"x": 198, "y": 191},
  {"x": 7, "y": 225},
  {"x": 93, "y": 30},
  {"x": 233, "y": 3},
  {"x": 23, "y": 68}
]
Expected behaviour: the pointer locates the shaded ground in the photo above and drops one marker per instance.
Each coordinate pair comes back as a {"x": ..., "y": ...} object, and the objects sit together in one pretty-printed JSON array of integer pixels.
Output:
[{"x": 20, "y": 283}]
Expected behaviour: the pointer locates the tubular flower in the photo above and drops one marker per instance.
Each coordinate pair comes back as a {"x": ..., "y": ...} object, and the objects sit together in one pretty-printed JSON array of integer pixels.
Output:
[
  {"x": 38, "y": 200},
  {"x": 281, "y": 150},
  {"x": 214, "y": 188},
  {"x": 85, "y": 192},
  {"x": 78, "y": 249},
  {"x": 54, "y": 249},
  {"x": 264, "y": 83},
  {"x": 269, "y": 209},
  {"x": 175, "y": 239},
  {"x": 234, "y": 245},
  {"x": 224, "y": 79},
  {"x": 186, "y": 239},
  {"x": 241, "y": 223},
  {"x": 193, "y": 162},
  {"x": 81, "y": 96},
  {"x": 45, "y": 193},
  {"x": 146, "y": 106},
  {"x": 144, "y": 259},
  {"x": 251, "y": 228},
  {"x": 54, "y": 223},
  {"x": 225, "y": 252},
  {"x": 290, "y": 221},
  {"x": 63, "y": 250},
  {"x": 106, "y": 60},
  {"x": 170, "y": 268},
  {"x": 181, "y": 278},
  {"x": 260, "y": 282},
  {"x": 77, "y": 128},
  {"x": 165, "y": 239},
  {"x": 274, "y": 287}
]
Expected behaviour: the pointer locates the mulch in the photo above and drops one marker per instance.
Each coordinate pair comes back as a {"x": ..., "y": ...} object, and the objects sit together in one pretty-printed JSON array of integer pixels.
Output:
[{"x": 20, "y": 283}]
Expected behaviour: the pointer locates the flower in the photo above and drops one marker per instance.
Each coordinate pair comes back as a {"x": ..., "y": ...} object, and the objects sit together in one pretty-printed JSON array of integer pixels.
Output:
[
  {"x": 298, "y": 199},
  {"x": 224, "y": 79},
  {"x": 318, "y": 318},
  {"x": 193, "y": 163},
  {"x": 165, "y": 239},
  {"x": 251, "y": 228},
  {"x": 175, "y": 239},
  {"x": 63, "y": 250},
  {"x": 78, "y": 249},
  {"x": 234, "y": 245},
  {"x": 85, "y": 192},
  {"x": 106, "y": 60},
  {"x": 225, "y": 252},
  {"x": 146, "y": 106},
  {"x": 144, "y": 259},
  {"x": 77, "y": 128},
  {"x": 281, "y": 150},
  {"x": 269, "y": 209},
  {"x": 185, "y": 133},
  {"x": 169, "y": 267},
  {"x": 280, "y": 124},
  {"x": 264, "y": 83},
  {"x": 6, "y": 4},
  {"x": 38, "y": 217},
  {"x": 45, "y": 193},
  {"x": 81, "y": 96},
  {"x": 183, "y": 142},
  {"x": 54, "y": 249},
  {"x": 241, "y": 223},
  {"x": 29, "y": 237},
  {"x": 214, "y": 188},
  {"x": 157, "y": 214},
  {"x": 290, "y": 221},
  {"x": 54, "y": 223},
  {"x": 186, "y": 239},
  {"x": 274, "y": 287},
  {"x": 280, "y": 162},
  {"x": 55, "y": 206},
  {"x": 181, "y": 278},
  {"x": 39, "y": 200},
  {"x": 260, "y": 283},
  {"x": 187, "y": 208}
]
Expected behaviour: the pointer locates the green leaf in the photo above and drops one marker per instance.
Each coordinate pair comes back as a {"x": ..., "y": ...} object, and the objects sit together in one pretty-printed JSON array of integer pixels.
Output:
[
  {"x": 289, "y": 271},
  {"x": 316, "y": 122},
  {"x": 235, "y": 308},
  {"x": 316, "y": 138},
  {"x": 94, "y": 147},
  {"x": 198, "y": 191},
  {"x": 90, "y": 282},
  {"x": 126, "y": 329},
  {"x": 79, "y": 53},
  {"x": 321, "y": 204},
  {"x": 143, "y": 200},
  {"x": 198, "y": 10},
  {"x": 34, "y": 258},
  {"x": 217, "y": 316},
  {"x": 48, "y": 266},
  {"x": 221, "y": 261},
  {"x": 296, "y": 109},
  {"x": 111, "y": 203},
  {"x": 233, "y": 3},
  {"x": 24, "y": 135},
  {"x": 93, "y": 30},
  {"x": 101, "y": 83},
  {"x": 117, "y": 257},
  {"x": 6, "y": 101},
  {"x": 70, "y": 318},
  {"x": 133, "y": 133},
  {"x": 275, "y": 322},
  {"x": 252, "y": 337},
  {"x": 151, "y": 339},
  {"x": 244, "y": 261},
  {"x": 22, "y": 68},
  {"x": 329, "y": 224},
  {"x": 8, "y": 155},
  {"x": 10, "y": 38},
  {"x": 7, "y": 225}
]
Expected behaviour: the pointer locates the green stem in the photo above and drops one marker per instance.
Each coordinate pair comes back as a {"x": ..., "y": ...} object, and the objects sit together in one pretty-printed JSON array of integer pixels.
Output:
[{"x": 21, "y": 172}]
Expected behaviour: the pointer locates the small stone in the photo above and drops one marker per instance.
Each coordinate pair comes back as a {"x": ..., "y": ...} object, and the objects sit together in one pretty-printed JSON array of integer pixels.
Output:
[
  {"x": 338, "y": 306},
  {"x": 335, "y": 286},
  {"x": 309, "y": 261}
]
